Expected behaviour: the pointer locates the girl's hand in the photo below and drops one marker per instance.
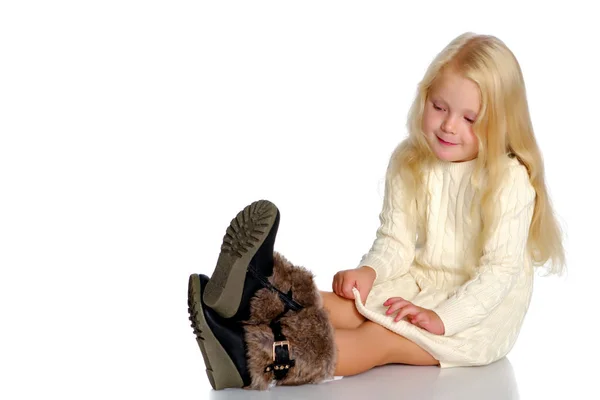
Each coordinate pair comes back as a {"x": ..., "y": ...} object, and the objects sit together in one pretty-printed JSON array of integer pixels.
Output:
[
  {"x": 361, "y": 278},
  {"x": 418, "y": 316}
]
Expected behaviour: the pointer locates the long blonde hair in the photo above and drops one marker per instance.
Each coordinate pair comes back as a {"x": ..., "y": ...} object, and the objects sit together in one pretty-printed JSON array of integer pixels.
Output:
[{"x": 503, "y": 127}]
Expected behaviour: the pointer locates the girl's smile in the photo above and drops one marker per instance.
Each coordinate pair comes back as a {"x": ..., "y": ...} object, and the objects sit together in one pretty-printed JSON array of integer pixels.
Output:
[{"x": 443, "y": 142}]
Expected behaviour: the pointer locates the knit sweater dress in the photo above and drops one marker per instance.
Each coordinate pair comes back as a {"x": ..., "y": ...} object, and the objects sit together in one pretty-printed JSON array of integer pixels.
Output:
[{"x": 483, "y": 300}]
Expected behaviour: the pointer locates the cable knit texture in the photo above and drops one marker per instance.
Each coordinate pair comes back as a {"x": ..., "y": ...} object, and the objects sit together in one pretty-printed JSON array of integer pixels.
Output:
[{"x": 481, "y": 300}]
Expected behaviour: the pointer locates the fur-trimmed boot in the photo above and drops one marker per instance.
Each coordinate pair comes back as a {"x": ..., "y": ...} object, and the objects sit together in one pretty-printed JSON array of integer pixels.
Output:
[{"x": 287, "y": 340}]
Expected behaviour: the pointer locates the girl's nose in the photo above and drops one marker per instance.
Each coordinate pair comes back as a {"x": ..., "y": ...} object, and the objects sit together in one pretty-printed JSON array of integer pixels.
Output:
[{"x": 448, "y": 125}]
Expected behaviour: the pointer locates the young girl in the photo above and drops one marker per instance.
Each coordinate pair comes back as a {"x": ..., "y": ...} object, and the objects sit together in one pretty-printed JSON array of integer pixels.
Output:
[{"x": 448, "y": 280}]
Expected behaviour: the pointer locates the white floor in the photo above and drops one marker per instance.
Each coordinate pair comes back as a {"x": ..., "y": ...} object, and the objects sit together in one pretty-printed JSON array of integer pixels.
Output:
[
  {"x": 495, "y": 381},
  {"x": 559, "y": 375}
]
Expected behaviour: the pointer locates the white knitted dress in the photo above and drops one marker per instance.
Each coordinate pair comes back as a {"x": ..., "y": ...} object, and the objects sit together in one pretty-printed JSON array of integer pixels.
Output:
[{"x": 481, "y": 302}]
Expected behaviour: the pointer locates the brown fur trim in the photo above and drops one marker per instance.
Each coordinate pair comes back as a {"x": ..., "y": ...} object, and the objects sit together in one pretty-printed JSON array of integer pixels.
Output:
[
  {"x": 299, "y": 279},
  {"x": 309, "y": 331}
]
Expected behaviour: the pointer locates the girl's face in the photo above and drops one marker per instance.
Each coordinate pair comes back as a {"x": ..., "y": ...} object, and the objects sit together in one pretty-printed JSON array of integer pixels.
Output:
[{"x": 451, "y": 108}]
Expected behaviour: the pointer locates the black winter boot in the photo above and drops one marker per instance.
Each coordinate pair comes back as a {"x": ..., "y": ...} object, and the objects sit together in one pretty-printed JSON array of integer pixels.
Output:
[
  {"x": 245, "y": 261},
  {"x": 287, "y": 339}
]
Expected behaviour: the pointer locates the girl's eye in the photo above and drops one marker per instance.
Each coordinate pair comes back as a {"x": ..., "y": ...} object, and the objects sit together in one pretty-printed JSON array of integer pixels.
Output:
[{"x": 470, "y": 121}]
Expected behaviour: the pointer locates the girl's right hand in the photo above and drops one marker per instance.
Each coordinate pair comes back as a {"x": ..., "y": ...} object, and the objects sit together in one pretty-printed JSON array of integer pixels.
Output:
[{"x": 361, "y": 278}]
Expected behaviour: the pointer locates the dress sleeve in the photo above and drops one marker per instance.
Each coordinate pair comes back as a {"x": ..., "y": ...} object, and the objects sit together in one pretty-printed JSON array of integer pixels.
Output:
[
  {"x": 502, "y": 260},
  {"x": 393, "y": 250}
]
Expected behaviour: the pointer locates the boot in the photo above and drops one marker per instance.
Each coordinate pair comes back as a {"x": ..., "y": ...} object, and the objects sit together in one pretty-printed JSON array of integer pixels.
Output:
[
  {"x": 245, "y": 261},
  {"x": 287, "y": 339},
  {"x": 221, "y": 341}
]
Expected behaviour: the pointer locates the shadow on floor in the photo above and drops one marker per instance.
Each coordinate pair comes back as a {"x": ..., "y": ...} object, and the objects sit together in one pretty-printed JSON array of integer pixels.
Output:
[{"x": 490, "y": 382}]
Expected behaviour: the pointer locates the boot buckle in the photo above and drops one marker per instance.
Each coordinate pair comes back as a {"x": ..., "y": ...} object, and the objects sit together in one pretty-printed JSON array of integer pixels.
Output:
[{"x": 281, "y": 343}]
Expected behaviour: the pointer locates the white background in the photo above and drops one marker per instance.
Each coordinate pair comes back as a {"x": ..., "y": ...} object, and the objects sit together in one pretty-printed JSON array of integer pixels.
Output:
[{"x": 131, "y": 132}]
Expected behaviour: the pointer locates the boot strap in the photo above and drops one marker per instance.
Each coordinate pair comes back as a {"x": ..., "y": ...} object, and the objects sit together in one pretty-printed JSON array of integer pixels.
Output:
[
  {"x": 286, "y": 298},
  {"x": 282, "y": 361},
  {"x": 281, "y": 352}
]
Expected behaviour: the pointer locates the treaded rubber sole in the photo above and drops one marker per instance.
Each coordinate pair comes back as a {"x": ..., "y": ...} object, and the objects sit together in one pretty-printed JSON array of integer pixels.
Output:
[
  {"x": 244, "y": 236},
  {"x": 220, "y": 369}
]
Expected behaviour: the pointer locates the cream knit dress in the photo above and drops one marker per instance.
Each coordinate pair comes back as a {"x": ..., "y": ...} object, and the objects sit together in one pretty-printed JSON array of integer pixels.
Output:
[{"x": 482, "y": 302}]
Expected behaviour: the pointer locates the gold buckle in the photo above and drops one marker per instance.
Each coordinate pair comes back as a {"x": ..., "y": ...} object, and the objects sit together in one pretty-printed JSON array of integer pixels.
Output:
[{"x": 282, "y": 343}]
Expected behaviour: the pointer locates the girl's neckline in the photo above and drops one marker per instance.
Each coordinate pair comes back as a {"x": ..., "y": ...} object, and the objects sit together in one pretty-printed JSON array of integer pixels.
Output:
[{"x": 456, "y": 167}]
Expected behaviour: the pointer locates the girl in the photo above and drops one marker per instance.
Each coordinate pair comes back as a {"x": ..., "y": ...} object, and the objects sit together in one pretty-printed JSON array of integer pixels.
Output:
[
  {"x": 465, "y": 218},
  {"x": 448, "y": 280}
]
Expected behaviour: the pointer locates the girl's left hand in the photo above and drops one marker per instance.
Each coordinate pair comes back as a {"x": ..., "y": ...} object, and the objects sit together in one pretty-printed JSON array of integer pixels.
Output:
[{"x": 417, "y": 316}]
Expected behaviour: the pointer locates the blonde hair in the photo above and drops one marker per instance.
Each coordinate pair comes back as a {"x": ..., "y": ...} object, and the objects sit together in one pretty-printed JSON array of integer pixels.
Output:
[{"x": 503, "y": 127}]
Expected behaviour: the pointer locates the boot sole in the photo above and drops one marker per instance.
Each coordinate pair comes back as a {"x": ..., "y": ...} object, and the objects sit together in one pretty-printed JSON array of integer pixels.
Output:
[
  {"x": 244, "y": 236},
  {"x": 220, "y": 369}
]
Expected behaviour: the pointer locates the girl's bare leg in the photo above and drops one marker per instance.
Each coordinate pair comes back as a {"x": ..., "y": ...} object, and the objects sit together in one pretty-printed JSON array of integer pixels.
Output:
[
  {"x": 371, "y": 345},
  {"x": 364, "y": 344},
  {"x": 342, "y": 312}
]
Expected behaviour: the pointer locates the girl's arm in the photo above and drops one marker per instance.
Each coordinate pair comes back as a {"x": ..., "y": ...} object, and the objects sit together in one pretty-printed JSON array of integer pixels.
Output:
[
  {"x": 393, "y": 250},
  {"x": 502, "y": 260}
]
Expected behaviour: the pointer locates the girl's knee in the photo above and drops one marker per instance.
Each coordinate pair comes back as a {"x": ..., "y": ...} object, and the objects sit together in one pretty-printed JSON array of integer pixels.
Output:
[{"x": 342, "y": 312}]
